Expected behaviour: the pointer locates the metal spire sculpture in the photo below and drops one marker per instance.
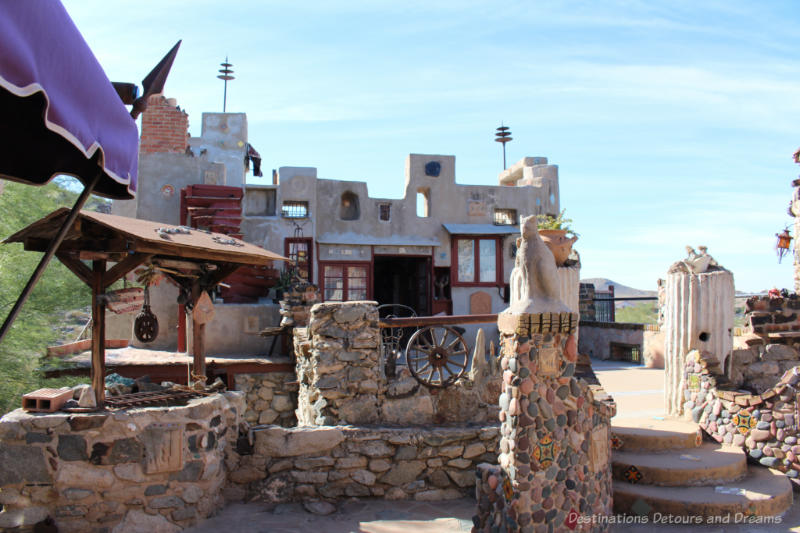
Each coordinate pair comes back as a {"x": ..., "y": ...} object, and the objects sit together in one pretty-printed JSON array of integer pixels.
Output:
[{"x": 225, "y": 74}]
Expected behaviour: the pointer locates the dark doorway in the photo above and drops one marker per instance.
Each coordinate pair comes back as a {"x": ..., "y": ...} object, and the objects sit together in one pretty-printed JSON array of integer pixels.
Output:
[{"x": 403, "y": 280}]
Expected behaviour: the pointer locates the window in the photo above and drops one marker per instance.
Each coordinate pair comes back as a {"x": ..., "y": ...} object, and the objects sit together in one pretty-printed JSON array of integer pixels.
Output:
[
  {"x": 294, "y": 209},
  {"x": 349, "y": 209},
  {"x": 343, "y": 282},
  {"x": 505, "y": 217},
  {"x": 385, "y": 211},
  {"x": 424, "y": 202},
  {"x": 299, "y": 250},
  {"x": 476, "y": 260}
]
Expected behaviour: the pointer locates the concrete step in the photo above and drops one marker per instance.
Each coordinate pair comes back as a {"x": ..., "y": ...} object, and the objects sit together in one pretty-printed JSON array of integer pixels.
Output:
[
  {"x": 763, "y": 492},
  {"x": 643, "y": 434},
  {"x": 709, "y": 464}
]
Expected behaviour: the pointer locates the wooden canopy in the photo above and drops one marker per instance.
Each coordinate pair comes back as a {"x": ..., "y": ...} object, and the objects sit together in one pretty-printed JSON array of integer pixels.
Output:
[{"x": 194, "y": 259}]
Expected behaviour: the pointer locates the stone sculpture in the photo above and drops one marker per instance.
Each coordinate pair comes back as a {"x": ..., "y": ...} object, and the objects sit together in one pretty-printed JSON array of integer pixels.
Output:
[
  {"x": 534, "y": 280},
  {"x": 696, "y": 263}
]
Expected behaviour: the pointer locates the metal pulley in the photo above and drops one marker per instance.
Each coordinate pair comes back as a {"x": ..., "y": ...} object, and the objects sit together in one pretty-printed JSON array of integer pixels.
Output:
[{"x": 145, "y": 325}]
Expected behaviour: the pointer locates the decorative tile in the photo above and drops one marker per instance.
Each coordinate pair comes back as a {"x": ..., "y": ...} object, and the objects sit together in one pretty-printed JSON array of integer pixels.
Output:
[
  {"x": 698, "y": 439},
  {"x": 507, "y": 489},
  {"x": 616, "y": 442},
  {"x": 548, "y": 361},
  {"x": 545, "y": 451},
  {"x": 694, "y": 382},
  {"x": 744, "y": 422},
  {"x": 632, "y": 475}
]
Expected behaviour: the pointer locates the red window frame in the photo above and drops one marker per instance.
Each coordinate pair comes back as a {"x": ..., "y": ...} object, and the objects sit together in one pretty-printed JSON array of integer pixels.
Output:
[
  {"x": 309, "y": 242},
  {"x": 498, "y": 252},
  {"x": 323, "y": 280}
]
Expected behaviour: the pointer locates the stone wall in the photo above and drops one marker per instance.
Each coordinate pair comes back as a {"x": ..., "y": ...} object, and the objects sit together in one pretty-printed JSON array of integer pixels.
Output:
[
  {"x": 270, "y": 398},
  {"x": 554, "y": 450},
  {"x": 300, "y": 464},
  {"x": 596, "y": 338},
  {"x": 765, "y": 425},
  {"x": 774, "y": 320},
  {"x": 342, "y": 381},
  {"x": 156, "y": 469},
  {"x": 757, "y": 367}
]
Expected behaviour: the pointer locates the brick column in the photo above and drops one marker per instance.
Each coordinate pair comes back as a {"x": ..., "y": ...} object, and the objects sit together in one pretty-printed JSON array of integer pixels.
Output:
[{"x": 554, "y": 470}]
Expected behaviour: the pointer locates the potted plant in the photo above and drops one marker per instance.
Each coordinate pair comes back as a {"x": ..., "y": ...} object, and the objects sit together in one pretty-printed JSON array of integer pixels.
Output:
[
  {"x": 557, "y": 234},
  {"x": 283, "y": 284}
]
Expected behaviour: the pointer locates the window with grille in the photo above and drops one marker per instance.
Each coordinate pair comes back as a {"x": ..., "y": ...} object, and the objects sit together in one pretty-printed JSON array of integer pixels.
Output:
[
  {"x": 385, "y": 211},
  {"x": 299, "y": 250},
  {"x": 626, "y": 352},
  {"x": 505, "y": 217},
  {"x": 345, "y": 282},
  {"x": 294, "y": 209}
]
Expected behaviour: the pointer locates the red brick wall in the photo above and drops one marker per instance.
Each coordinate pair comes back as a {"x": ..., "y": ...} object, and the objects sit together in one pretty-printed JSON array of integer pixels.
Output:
[{"x": 165, "y": 127}]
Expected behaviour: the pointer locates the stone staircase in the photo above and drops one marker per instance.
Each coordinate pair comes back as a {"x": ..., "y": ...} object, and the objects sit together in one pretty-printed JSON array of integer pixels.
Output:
[{"x": 663, "y": 466}]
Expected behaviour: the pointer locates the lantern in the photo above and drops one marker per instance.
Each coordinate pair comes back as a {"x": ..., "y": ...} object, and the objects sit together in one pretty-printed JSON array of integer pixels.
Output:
[{"x": 783, "y": 243}]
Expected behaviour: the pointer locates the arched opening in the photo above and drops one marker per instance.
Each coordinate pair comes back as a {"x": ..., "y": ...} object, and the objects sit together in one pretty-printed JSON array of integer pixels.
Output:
[
  {"x": 423, "y": 202},
  {"x": 349, "y": 209}
]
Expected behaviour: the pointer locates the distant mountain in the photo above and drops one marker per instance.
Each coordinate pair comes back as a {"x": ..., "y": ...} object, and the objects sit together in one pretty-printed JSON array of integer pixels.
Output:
[{"x": 620, "y": 290}]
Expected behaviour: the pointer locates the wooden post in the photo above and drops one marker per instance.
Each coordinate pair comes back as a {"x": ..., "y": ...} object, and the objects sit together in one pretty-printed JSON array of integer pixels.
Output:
[
  {"x": 198, "y": 338},
  {"x": 98, "y": 333}
]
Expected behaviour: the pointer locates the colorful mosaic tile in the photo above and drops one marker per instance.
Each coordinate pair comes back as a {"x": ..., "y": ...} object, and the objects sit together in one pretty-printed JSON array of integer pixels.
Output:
[
  {"x": 545, "y": 451},
  {"x": 632, "y": 475},
  {"x": 744, "y": 422},
  {"x": 616, "y": 442},
  {"x": 694, "y": 382},
  {"x": 507, "y": 489},
  {"x": 698, "y": 439}
]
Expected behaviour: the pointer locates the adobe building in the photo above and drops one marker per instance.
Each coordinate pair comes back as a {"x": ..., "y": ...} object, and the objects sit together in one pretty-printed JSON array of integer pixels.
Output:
[{"x": 442, "y": 248}]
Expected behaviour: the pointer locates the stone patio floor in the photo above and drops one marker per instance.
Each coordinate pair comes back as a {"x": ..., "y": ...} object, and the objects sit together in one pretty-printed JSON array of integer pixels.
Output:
[{"x": 638, "y": 392}]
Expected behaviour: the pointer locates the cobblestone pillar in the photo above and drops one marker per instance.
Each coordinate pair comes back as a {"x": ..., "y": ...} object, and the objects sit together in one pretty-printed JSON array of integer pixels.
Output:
[{"x": 554, "y": 469}]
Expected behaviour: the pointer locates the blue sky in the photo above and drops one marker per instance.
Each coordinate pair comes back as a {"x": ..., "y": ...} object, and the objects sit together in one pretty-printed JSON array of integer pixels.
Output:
[{"x": 671, "y": 123}]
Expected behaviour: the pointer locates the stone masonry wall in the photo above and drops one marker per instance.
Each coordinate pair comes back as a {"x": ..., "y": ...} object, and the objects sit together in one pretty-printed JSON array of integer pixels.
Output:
[
  {"x": 154, "y": 469},
  {"x": 342, "y": 380},
  {"x": 775, "y": 320},
  {"x": 301, "y": 464},
  {"x": 270, "y": 398},
  {"x": 765, "y": 425}
]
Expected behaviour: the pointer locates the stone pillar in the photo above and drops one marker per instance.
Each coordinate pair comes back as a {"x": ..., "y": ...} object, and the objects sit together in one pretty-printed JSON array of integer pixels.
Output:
[
  {"x": 699, "y": 310},
  {"x": 794, "y": 210},
  {"x": 554, "y": 454}
]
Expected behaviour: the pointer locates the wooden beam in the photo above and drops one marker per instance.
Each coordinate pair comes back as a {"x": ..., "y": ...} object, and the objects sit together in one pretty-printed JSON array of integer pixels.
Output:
[
  {"x": 182, "y": 265},
  {"x": 78, "y": 245},
  {"x": 98, "y": 333},
  {"x": 448, "y": 320},
  {"x": 76, "y": 267},
  {"x": 201, "y": 254},
  {"x": 123, "y": 267},
  {"x": 198, "y": 338}
]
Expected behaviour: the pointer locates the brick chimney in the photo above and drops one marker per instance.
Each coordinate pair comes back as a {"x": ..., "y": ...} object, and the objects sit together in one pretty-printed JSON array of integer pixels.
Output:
[{"x": 165, "y": 127}]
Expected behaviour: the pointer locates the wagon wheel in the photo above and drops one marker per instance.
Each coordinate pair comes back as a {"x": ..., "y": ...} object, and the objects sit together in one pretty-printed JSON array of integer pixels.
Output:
[{"x": 437, "y": 356}]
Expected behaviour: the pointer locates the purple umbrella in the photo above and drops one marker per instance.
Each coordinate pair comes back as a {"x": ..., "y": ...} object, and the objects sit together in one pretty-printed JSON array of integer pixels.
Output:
[{"x": 59, "y": 114}]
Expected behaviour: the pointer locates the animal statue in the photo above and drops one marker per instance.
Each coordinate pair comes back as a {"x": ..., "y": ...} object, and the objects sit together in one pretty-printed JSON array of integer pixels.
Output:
[{"x": 534, "y": 280}]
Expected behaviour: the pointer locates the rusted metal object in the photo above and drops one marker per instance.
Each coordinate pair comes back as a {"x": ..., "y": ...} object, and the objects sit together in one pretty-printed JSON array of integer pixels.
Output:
[
  {"x": 437, "y": 356},
  {"x": 446, "y": 320},
  {"x": 160, "y": 398},
  {"x": 145, "y": 325}
]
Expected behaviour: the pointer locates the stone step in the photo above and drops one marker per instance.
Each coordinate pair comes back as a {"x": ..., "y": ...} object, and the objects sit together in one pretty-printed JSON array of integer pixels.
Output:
[
  {"x": 709, "y": 464},
  {"x": 643, "y": 434},
  {"x": 763, "y": 492}
]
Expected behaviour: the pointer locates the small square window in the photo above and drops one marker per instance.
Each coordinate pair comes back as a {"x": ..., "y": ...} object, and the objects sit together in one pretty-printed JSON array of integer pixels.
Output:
[
  {"x": 385, "y": 211},
  {"x": 505, "y": 217},
  {"x": 294, "y": 209}
]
